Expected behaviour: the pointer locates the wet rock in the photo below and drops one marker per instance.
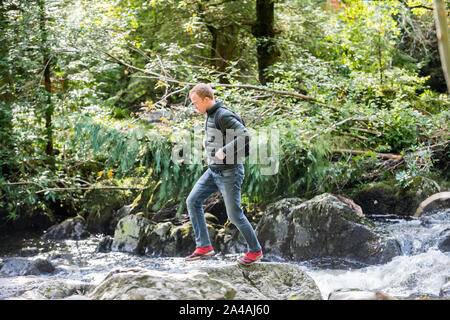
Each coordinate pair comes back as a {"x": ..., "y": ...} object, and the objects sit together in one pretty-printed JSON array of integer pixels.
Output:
[
  {"x": 29, "y": 251},
  {"x": 119, "y": 214},
  {"x": 436, "y": 202},
  {"x": 131, "y": 234},
  {"x": 137, "y": 234},
  {"x": 272, "y": 229},
  {"x": 104, "y": 245},
  {"x": 387, "y": 197},
  {"x": 41, "y": 288},
  {"x": 322, "y": 227},
  {"x": 23, "y": 266},
  {"x": 270, "y": 281},
  {"x": 327, "y": 227},
  {"x": 73, "y": 228},
  {"x": 356, "y": 294},
  {"x": 444, "y": 242},
  {"x": 216, "y": 206},
  {"x": 444, "y": 293}
]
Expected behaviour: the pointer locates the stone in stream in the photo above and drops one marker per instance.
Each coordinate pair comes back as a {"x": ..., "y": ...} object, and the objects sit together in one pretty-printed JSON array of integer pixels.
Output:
[
  {"x": 322, "y": 227},
  {"x": 444, "y": 293},
  {"x": 444, "y": 240},
  {"x": 72, "y": 228},
  {"x": 438, "y": 201},
  {"x": 22, "y": 266},
  {"x": 43, "y": 287},
  {"x": 356, "y": 294},
  {"x": 386, "y": 197},
  {"x": 261, "y": 281}
]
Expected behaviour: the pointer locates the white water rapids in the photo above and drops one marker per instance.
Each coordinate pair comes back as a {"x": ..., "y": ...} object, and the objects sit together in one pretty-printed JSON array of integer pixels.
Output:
[{"x": 422, "y": 269}]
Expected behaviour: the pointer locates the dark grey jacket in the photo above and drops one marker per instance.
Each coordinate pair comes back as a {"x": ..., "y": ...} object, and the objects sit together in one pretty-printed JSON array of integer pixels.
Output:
[{"x": 232, "y": 144}]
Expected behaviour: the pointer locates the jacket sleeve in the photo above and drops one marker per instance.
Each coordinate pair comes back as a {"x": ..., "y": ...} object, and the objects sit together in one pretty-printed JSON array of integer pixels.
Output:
[{"x": 240, "y": 134}]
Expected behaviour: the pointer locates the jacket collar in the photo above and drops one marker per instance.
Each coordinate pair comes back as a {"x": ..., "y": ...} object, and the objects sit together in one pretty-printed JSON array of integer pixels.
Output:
[{"x": 214, "y": 107}]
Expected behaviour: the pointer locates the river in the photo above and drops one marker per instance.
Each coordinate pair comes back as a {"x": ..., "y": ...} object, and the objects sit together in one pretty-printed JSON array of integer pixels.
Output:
[{"x": 422, "y": 269}]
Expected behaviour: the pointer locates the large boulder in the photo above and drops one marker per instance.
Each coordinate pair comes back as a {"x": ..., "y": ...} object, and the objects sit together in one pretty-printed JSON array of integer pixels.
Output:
[
  {"x": 387, "y": 197},
  {"x": 72, "y": 228},
  {"x": 137, "y": 234},
  {"x": 131, "y": 234},
  {"x": 323, "y": 227},
  {"x": 272, "y": 229},
  {"x": 261, "y": 281}
]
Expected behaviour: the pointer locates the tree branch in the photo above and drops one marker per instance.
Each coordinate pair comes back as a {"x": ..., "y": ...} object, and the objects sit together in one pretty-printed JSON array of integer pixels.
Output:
[{"x": 243, "y": 86}]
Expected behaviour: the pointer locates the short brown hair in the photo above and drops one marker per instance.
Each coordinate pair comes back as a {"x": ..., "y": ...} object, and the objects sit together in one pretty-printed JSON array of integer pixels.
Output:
[{"x": 203, "y": 90}]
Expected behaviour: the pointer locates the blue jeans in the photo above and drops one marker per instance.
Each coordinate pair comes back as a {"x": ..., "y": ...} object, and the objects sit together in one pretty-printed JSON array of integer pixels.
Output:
[{"x": 228, "y": 182}]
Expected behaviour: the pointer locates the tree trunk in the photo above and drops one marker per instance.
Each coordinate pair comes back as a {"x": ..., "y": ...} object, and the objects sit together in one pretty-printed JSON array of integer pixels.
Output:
[
  {"x": 6, "y": 80},
  {"x": 7, "y": 159},
  {"x": 49, "y": 108},
  {"x": 443, "y": 39},
  {"x": 265, "y": 36},
  {"x": 223, "y": 47}
]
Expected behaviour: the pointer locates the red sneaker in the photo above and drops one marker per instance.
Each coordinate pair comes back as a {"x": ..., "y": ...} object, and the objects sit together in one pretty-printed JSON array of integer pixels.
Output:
[
  {"x": 250, "y": 258},
  {"x": 200, "y": 253}
]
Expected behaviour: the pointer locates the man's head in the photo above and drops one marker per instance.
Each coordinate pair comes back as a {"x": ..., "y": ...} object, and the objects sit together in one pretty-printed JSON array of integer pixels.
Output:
[{"x": 202, "y": 97}]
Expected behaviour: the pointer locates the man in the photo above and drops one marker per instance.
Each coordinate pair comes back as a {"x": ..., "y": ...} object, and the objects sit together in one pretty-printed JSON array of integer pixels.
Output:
[{"x": 225, "y": 173}]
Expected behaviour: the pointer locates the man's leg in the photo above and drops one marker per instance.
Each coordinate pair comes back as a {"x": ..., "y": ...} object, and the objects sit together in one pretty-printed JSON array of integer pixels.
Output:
[
  {"x": 204, "y": 187},
  {"x": 229, "y": 182}
]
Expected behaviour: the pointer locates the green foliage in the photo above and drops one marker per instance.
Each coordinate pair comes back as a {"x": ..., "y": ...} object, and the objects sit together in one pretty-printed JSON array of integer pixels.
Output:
[{"x": 361, "y": 63}]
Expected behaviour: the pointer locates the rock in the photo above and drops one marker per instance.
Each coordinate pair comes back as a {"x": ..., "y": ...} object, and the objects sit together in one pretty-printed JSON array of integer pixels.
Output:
[
  {"x": 119, "y": 214},
  {"x": 356, "y": 294},
  {"x": 324, "y": 226},
  {"x": 137, "y": 234},
  {"x": 216, "y": 206},
  {"x": 73, "y": 228},
  {"x": 444, "y": 240},
  {"x": 261, "y": 281},
  {"x": 272, "y": 229},
  {"x": 387, "y": 198},
  {"x": 327, "y": 227},
  {"x": 444, "y": 293},
  {"x": 418, "y": 190},
  {"x": 104, "y": 245},
  {"x": 378, "y": 198},
  {"x": 40, "y": 288},
  {"x": 23, "y": 266},
  {"x": 131, "y": 234},
  {"x": 438, "y": 201}
]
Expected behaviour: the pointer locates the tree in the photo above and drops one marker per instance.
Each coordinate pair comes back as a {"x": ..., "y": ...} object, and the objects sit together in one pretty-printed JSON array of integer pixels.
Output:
[
  {"x": 264, "y": 32},
  {"x": 46, "y": 62}
]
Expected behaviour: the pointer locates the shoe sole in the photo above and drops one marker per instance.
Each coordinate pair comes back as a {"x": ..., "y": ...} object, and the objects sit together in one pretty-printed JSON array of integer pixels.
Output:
[
  {"x": 242, "y": 263},
  {"x": 209, "y": 254}
]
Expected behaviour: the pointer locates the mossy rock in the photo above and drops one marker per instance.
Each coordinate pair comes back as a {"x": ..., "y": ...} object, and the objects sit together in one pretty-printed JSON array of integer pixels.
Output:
[{"x": 387, "y": 197}]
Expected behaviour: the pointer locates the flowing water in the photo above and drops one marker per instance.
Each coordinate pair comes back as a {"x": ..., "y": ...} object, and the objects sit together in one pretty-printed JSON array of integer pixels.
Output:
[{"x": 422, "y": 269}]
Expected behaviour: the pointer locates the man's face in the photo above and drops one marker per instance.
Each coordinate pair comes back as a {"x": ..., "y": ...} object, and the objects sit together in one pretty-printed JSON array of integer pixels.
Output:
[{"x": 201, "y": 105}]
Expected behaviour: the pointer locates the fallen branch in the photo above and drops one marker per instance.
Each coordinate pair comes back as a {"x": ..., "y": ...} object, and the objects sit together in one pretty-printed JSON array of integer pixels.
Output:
[
  {"x": 338, "y": 124},
  {"x": 89, "y": 188},
  {"x": 360, "y": 152}
]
